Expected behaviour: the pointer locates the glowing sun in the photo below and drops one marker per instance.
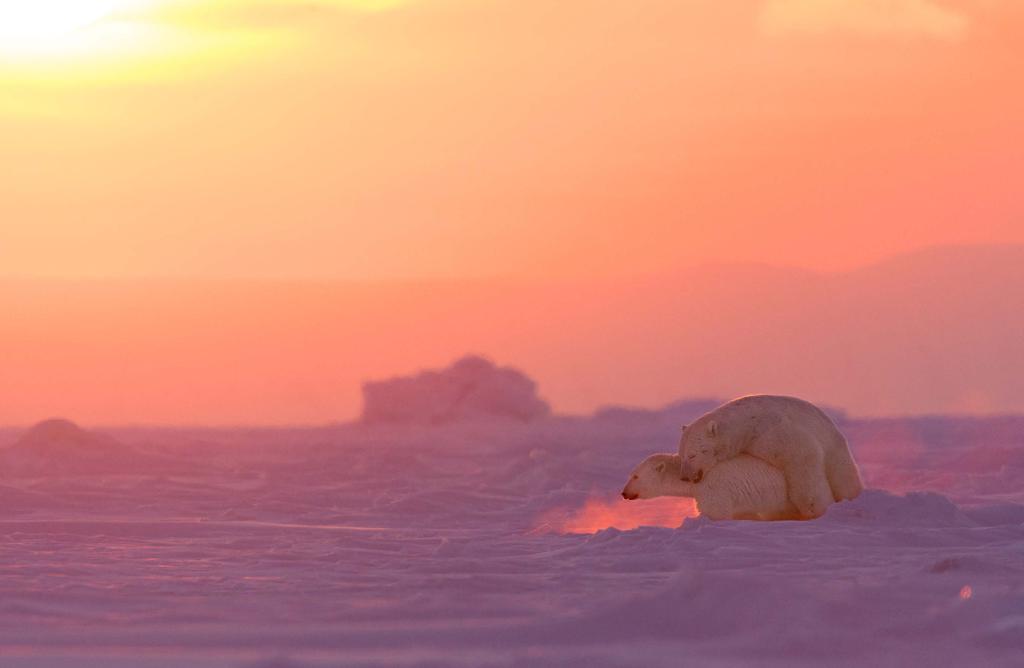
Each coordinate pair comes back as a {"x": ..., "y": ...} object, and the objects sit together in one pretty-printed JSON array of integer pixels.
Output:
[{"x": 44, "y": 25}]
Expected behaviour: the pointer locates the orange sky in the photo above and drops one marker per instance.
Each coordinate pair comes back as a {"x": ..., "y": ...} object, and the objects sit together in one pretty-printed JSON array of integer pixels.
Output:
[
  {"x": 362, "y": 169},
  {"x": 457, "y": 138}
]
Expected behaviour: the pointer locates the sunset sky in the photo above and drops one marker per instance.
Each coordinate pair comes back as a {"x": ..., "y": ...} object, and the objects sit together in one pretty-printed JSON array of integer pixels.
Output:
[
  {"x": 365, "y": 139},
  {"x": 399, "y": 142}
]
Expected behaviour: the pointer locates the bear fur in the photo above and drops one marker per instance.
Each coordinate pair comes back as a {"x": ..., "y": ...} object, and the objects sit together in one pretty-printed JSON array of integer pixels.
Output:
[
  {"x": 741, "y": 488},
  {"x": 791, "y": 434}
]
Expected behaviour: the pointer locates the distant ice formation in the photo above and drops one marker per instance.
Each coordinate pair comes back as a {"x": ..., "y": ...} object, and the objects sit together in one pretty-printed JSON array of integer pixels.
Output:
[
  {"x": 471, "y": 388},
  {"x": 677, "y": 413},
  {"x": 63, "y": 437},
  {"x": 59, "y": 446}
]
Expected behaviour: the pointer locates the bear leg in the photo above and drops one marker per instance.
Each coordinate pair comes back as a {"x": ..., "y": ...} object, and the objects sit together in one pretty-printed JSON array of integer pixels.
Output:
[
  {"x": 808, "y": 487},
  {"x": 843, "y": 475},
  {"x": 714, "y": 507}
]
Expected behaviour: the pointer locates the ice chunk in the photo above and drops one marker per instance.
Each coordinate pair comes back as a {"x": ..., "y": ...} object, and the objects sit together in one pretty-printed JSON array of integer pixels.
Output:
[{"x": 471, "y": 388}]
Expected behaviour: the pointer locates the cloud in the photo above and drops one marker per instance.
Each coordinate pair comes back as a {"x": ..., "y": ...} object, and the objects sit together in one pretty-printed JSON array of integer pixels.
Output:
[
  {"x": 367, "y": 5},
  {"x": 911, "y": 18},
  {"x": 263, "y": 10}
]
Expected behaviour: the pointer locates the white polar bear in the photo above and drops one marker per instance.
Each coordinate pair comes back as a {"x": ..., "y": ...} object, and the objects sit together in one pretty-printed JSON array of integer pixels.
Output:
[
  {"x": 741, "y": 488},
  {"x": 790, "y": 434}
]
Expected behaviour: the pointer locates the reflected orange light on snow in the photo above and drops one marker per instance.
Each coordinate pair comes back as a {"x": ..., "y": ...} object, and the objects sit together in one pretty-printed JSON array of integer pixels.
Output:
[{"x": 599, "y": 513}]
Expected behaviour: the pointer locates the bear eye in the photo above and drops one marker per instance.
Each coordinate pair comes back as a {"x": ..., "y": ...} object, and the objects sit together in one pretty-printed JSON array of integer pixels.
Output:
[
  {"x": 636, "y": 477},
  {"x": 693, "y": 456}
]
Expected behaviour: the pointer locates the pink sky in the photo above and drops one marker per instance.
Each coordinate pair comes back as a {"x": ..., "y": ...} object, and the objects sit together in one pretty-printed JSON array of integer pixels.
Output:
[
  {"x": 594, "y": 141},
  {"x": 456, "y": 138}
]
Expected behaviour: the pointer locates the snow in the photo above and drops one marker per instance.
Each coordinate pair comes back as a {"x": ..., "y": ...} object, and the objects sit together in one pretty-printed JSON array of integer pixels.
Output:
[{"x": 488, "y": 542}]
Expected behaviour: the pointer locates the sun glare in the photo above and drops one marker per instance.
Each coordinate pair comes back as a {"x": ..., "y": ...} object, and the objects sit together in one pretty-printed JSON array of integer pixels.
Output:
[
  {"x": 73, "y": 42},
  {"x": 40, "y": 26},
  {"x": 598, "y": 513}
]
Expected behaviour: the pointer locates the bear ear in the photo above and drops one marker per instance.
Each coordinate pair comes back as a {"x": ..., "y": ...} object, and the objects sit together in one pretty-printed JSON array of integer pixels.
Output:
[
  {"x": 660, "y": 468},
  {"x": 712, "y": 428},
  {"x": 683, "y": 428}
]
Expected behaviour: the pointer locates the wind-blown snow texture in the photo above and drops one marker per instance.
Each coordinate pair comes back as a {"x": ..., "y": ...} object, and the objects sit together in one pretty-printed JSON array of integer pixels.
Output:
[{"x": 396, "y": 545}]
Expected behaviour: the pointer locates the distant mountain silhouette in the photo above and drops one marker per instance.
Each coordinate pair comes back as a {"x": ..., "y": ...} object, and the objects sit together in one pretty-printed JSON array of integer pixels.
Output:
[
  {"x": 941, "y": 330},
  {"x": 935, "y": 331}
]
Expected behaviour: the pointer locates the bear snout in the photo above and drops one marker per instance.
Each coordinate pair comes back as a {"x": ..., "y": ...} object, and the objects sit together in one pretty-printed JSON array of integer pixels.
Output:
[{"x": 629, "y": 497}]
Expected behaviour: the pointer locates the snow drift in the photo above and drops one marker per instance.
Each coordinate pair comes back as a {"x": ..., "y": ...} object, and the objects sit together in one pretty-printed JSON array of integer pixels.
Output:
[
  {"x": 359, "y": 545},
  {"x": 59, "y": 447}
]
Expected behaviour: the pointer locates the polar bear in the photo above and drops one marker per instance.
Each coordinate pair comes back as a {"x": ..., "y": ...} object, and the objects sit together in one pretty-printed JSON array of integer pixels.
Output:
[
  {"x": 741, "y": 488},
  {"x": 791, "y": 434}
]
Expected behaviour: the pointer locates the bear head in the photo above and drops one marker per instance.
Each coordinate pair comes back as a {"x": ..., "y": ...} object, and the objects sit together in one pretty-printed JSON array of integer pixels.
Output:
[
  {"x": 652, "y": 477},
  {"x": 698, "y": 449}
]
